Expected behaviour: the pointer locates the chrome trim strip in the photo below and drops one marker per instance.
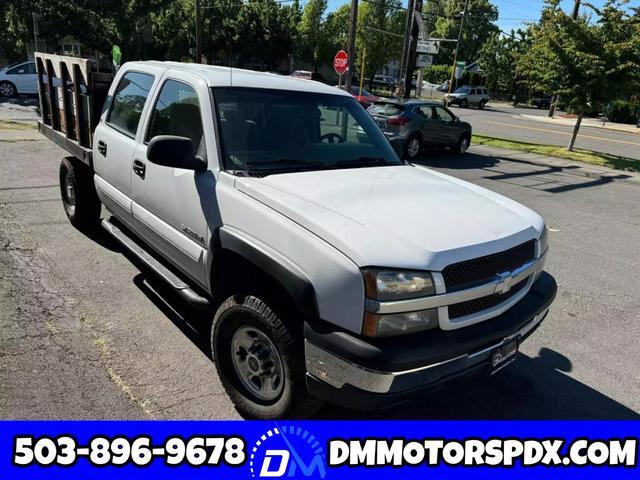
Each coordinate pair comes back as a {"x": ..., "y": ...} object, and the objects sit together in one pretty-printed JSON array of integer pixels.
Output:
[
  {"x": 499, "y": 285},
  {"x": 338, "y": 372}
]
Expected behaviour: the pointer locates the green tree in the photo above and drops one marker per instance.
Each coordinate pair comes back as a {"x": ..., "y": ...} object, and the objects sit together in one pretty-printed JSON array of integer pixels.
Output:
[
  {"x": 479, "y": 26},
  {"x": 373, "y": 20},
  {"x": 587, "y": 64},
  {"x": 499, "y": 56},
  {"x": 313, "y": 44}
]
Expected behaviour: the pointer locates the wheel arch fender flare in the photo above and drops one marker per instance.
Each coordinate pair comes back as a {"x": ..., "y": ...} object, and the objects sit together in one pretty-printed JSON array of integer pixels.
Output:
[{"x": 291, "y": 279}]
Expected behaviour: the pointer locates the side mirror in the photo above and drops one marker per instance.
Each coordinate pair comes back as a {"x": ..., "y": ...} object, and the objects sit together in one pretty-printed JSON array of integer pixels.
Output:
[{"x": 176, "y": 152}]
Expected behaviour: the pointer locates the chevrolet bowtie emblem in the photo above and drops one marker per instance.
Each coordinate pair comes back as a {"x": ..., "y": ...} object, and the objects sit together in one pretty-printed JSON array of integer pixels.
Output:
[{"x": 505, "y": 280}]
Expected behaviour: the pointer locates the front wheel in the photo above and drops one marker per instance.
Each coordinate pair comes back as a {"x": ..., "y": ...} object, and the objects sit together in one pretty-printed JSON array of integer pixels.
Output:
[
  {"x": 464, "y": 103},
  {"x": 79, "y": 197},
  {"x": 7, "y": 89},
  {"x": 463, "y": 145},
  {"x": 260, "y": 360}
]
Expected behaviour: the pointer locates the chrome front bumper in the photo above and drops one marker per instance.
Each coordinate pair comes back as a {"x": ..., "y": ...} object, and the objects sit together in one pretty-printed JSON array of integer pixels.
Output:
[
  {"x": 369, "y": 373},
  {"x": 337, "y": 372}
]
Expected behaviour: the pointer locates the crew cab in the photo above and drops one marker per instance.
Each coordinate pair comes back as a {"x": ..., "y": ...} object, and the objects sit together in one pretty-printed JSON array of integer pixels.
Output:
[{"x": 332, "y": 269}]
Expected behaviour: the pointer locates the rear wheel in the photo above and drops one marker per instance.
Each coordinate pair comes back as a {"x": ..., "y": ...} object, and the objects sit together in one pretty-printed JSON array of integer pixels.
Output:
[
  {"x": 260, "y": 360},
  {"x": 413, "y": 146},
  {"x": 481, "y": 105},
  {"x": 79, "y": 197},
  {"x": 7, "y": 89}
]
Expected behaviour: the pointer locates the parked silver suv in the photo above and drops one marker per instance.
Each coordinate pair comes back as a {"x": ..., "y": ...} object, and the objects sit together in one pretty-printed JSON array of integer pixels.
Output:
[
  {"x": 420, "y": 124},
  {"x": 468, "y": 95}
]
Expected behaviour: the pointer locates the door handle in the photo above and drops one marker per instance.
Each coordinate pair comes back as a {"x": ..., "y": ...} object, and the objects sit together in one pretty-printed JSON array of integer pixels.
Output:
[
  {"x": 102, "y": 148},
  {"x": 139, "y": 168}
]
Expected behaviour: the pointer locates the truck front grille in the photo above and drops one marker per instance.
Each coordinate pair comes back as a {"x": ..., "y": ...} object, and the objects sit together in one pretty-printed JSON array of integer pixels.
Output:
[
  {"x": 484, "y": 303},
  {"x": 469, "y": 273}
]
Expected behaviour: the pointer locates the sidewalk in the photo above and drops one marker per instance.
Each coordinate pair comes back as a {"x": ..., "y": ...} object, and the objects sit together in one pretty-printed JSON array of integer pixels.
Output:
[
  {"x": 577, "y": 168},
  {"x": 13, "y": 131},
  {"x": 586, "y": 122}
]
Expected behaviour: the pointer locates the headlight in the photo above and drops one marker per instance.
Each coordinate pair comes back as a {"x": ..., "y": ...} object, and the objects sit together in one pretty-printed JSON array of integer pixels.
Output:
[
  {"x": 399, "y": 323},
  {"x": 544, "y": 241},
  {"x": 385, "y": 285},
  {"x": 394, "y": 285}
]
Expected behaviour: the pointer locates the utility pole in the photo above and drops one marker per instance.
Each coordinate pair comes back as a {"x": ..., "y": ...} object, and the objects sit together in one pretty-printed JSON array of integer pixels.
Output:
[
  {"x": 198, "y": 31},
  {"x": 351, "y": 47},
  {"x": 405, "y": 47},
  {"x": 554, "y": 99},
  {"x": 455, "y": 55},
  {"x": 411, "y": 51}
]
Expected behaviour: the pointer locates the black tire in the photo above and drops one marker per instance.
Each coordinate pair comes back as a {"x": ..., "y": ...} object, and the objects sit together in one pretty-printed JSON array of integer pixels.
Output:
[
  {"x": 410, "y": 151},
  {"x": 463, "y": 145},
  {"x": 8, "y": 89},
  {"x": 78, "y": 192},
  {"x": 464, "y": 103},
  {"x": 481, "y": 105},
  {"x": 250, "y": 312}
]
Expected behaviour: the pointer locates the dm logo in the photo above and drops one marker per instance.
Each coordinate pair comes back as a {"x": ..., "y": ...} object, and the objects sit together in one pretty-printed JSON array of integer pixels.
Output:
[{"x": 287, "y": 452}]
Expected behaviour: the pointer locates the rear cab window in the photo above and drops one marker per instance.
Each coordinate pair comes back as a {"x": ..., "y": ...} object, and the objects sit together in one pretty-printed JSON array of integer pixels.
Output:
[{"x": 128, "y": 102}]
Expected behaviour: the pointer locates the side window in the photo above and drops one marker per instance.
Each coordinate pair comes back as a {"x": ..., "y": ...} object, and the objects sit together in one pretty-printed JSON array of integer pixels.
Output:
[
  {"x": 30, "y": 68},
  {"x": 177, "y": 112},
  {"x": 128, "y": 101},
  {"x": 425, "y": 111},
  {"x": 19, "y": 70},
  {"x": 443, "y": 114},
  {"x": 472, "y": 92}
]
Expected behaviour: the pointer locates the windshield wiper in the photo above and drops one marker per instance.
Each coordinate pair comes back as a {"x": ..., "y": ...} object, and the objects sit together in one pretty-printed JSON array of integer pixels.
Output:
[{"x": 287, "y": 162}]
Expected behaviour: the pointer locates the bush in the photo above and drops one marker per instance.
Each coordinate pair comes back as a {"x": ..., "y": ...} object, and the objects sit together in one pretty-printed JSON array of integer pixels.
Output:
[
  {"x": 622, "y": 111},
  {"x": 437, "y": 74}
]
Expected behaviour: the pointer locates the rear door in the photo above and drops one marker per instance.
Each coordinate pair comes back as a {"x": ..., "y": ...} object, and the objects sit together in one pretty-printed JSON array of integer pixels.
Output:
[
  {"x": 430, "y": 127},
  {"x": 170, "y": 205},
  {"x": 114, "y": 139}
]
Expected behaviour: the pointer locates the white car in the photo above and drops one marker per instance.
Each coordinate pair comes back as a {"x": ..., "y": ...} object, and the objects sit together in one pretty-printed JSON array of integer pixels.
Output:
[
  {"x": 18, "y": 78},
  {"x": 332, "y": 269}
]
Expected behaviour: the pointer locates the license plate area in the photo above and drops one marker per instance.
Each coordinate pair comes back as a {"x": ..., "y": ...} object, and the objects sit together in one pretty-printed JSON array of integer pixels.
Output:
[{"x": 504, "y": 355}]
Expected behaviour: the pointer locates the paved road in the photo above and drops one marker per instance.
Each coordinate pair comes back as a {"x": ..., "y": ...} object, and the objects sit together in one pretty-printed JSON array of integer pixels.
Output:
[
  {"x": 84, "y": 333},
  {"x": 507, "y": 122}
]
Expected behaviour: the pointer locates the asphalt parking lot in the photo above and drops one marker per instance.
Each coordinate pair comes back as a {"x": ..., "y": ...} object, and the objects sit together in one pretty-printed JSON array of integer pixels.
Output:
[{"x": 85, "y": 333}]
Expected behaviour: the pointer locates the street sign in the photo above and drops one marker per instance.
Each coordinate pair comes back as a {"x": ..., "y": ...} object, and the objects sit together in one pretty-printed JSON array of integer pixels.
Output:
[
  {"x": 341, "y": 62},
  {"x": 428, "y": 46},
  {"x": 424, "y": 60}
]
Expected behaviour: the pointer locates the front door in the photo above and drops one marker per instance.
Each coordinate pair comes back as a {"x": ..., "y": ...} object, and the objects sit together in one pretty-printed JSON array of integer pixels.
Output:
[{"x": 170, "y": 205}]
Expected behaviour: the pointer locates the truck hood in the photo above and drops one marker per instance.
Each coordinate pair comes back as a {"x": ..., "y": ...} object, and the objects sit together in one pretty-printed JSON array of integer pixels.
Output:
[{"x": 400, "y": 216}]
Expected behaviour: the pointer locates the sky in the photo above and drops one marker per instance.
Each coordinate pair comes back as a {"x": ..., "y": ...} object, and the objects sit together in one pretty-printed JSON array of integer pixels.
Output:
[{"x": 513, "y": 13}]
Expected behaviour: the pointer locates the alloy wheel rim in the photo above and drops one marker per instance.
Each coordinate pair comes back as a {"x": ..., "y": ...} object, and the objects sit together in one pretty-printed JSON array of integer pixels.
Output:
[
  {"x": 6, "y": 89},
  {"x": 257, "y": 363},
  {"x": 414, "y": 147}
]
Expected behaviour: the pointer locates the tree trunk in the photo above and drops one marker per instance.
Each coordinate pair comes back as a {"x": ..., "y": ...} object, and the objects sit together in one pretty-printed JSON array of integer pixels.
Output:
[
  {"x": 552, "y": 108},
  {"x": 576, "y": 129}
]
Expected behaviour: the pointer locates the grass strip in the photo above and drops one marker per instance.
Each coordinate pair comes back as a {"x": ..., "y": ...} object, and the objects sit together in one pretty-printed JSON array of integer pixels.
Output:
[{"x": 579, "y": 155}]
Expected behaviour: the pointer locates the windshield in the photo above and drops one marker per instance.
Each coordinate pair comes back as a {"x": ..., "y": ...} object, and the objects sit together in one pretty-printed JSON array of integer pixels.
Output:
[
  {"x": 386, "y": 109},
  {"x": 463, "y": 90},
  {"x": 264, "y": 129}
]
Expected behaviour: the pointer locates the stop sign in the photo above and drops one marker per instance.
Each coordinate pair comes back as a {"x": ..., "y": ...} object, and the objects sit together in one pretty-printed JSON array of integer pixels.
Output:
[{"x": 341, "y": 62}]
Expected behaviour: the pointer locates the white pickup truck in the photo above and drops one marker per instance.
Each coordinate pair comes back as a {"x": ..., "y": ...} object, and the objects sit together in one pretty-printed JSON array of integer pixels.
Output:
[{"x": 333, "y": 269}]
